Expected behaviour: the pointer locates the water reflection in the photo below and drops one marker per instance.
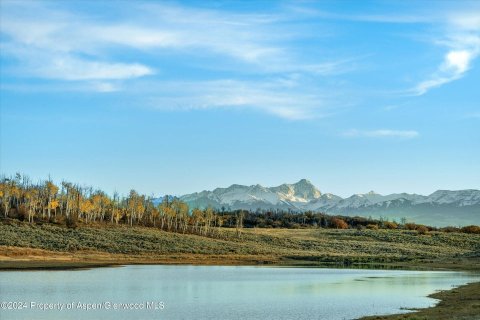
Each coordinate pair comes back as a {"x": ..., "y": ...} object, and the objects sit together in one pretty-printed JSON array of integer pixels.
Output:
[{"x": 213, "y": 292}]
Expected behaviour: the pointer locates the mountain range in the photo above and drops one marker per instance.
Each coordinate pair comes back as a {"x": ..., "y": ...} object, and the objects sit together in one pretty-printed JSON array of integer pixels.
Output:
[{"x": 441, "y": 208}]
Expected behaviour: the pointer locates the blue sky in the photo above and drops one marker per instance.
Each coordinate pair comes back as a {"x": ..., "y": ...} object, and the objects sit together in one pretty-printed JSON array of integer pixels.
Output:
[{"x": 177, "y": 97}]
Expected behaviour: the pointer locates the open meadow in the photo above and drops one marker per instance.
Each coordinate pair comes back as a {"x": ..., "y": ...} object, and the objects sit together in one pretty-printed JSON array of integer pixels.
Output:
[{"x": 42, "y": 245}]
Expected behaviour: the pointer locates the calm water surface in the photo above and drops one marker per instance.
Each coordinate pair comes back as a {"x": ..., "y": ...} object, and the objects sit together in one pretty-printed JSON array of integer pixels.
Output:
[{"x": 214, "y": 292}]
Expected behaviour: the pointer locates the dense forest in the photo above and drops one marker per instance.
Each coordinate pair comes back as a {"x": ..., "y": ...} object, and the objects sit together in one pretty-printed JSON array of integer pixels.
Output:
[{"x": 71, "y": 204}]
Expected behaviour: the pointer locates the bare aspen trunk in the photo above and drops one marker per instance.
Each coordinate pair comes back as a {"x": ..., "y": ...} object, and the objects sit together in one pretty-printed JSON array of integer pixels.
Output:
[{"x": 48, "y": 206}]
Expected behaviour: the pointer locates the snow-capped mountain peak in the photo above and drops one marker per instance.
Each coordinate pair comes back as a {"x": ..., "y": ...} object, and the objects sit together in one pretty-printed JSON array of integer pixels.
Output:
[
  {"x": 459, "y": 197},
  {"x": 444, "y": 205},
  {"x": 302, "y": 191}
]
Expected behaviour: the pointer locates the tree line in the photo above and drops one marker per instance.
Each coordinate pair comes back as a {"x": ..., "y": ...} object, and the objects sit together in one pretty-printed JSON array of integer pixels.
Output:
[{"x": 70, "y": 204}]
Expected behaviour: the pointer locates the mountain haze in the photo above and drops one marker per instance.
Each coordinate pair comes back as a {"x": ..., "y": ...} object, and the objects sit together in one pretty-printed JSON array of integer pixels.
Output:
[{"x": 441, "y": 208}]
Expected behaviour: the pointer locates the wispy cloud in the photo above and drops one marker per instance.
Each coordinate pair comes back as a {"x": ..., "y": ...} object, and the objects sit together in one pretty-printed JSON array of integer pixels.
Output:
[
  {"x": 460, "y": 29},
  {"x": 54, "y": 34},
  {"x": 454, "y": 67},
  {"x": 362, "y": 17},
  {"x": 382, "y": 133},
  {"x": 51, "y": 64},
  {"x": 239, "y": 59},
  {"x": 77, "y": 69},
  {"x": 282, "y": 99},
  {"x": 55, "y": 43},
  {"x": 463, "y": 42}
]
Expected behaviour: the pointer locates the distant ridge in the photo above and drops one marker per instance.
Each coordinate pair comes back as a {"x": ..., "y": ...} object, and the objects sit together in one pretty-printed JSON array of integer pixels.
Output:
[{"x": 441, "y": 208}]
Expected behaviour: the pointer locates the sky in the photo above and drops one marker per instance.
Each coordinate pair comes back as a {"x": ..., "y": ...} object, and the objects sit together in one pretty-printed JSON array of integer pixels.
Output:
[{"x": 177, "y": 97}]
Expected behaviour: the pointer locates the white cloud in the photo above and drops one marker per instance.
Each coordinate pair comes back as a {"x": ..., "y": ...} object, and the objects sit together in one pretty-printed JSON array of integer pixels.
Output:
[
  {"x": 50, "y": 35},
  {"x": 458, "y": 61},
  {"x": 53, "y": 44},
  {"x": 134, "y": 36},
  {"x": 382, "y": 133},
  {"x": 374, "y": 18},
  {"x": 461, "y": 36},
  {"x": 69, "y": 67},
  {"x": 76, "y": 69},
  {"x": 87, "y": 53},
  {"x": 280, "y": 99},
  {"x": 463, "y": 41},
  {"x": 466, "y": 20}
]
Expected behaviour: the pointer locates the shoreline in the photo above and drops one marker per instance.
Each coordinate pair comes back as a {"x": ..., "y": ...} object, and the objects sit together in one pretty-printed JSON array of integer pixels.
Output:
[
  {"x": 78, "y": 265},
  {"x": 462, "y": 302},
  {"x": 29, "y": 259}
]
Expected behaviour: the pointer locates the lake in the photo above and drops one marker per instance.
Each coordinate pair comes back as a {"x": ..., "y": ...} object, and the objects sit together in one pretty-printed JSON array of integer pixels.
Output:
[{"x": 218, "y": 292}]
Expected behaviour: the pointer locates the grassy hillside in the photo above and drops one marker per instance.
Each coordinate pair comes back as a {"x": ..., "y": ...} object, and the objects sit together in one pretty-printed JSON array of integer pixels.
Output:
[{"x": 21, "y": 241}]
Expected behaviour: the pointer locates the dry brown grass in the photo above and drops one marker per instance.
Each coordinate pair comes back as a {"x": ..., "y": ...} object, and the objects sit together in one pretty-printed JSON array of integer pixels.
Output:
[{"x": 22, "y": 242}]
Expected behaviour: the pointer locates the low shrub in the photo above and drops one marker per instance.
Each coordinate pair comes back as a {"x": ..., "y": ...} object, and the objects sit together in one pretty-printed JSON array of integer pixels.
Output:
[
  {"x": 339, "y": 223},
  {"x": 422, "y": 230},
  {"x": 450, "y": 229},
  {"x": 471, "y": 229},
  {"x": 410, "y": 226},
  {"x": 390, "y": 225},
  {"x": 71, "y": 222}
]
